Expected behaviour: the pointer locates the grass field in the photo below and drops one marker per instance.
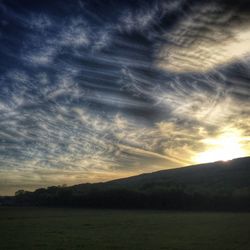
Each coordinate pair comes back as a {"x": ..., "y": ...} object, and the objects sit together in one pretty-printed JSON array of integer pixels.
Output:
[{"x": 44, "y": 228}]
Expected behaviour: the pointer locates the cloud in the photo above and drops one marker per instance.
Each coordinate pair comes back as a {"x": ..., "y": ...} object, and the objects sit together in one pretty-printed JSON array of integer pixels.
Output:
[
  {"x": 74, "y": 33},
  {"x": 73, "y": 139},
  {"x": 207, "y": 37},
  {"x": 43, "y": 56},
  {"x": 148, "y": 15},
  {"x": 48, "y": 38},
  {"x": 90, "y": 97},
  {"x": 40, "y": 22}
]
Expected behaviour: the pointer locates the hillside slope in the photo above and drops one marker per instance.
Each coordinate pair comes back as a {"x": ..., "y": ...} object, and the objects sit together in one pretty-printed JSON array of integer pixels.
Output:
[
  {"x": 234, "y": 174},
  {"x": 212, "y": 186}
]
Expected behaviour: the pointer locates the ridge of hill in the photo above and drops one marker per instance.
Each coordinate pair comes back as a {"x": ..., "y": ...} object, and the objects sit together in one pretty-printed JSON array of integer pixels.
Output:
[{"x": 223, "y": 186}]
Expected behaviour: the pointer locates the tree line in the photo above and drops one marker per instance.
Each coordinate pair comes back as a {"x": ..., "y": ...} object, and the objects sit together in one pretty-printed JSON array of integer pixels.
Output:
[{"x": 174, "y": 198}]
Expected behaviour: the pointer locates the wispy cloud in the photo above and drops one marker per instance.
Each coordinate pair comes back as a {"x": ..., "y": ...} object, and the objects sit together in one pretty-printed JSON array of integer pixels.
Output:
[
  {"x": 209, "y": 36},
  {"x": 112, "y": 90}
]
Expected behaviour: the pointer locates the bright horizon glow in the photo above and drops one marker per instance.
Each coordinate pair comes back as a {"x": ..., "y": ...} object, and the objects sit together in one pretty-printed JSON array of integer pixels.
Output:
[{"x": 226, "y": 147}]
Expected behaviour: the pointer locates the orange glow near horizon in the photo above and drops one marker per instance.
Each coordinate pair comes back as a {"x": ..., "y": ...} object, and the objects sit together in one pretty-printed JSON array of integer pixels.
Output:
[{"x": 226, "y": 147}]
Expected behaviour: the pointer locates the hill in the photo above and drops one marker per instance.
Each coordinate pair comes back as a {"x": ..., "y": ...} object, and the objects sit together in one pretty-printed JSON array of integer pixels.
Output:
[
  {"x": 230, "y": 175},
  {"x": 212, "y": 186}
]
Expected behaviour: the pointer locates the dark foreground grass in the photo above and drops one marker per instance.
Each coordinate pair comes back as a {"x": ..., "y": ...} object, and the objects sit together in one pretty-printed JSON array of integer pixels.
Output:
[{"x": 41, "y": 228}]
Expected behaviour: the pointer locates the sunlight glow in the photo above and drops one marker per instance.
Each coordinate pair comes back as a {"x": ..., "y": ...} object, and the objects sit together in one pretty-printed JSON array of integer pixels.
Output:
[{"x": 226, "y": 147}]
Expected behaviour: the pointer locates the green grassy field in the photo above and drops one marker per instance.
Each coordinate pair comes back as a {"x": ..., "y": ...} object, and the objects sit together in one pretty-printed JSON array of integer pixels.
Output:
[{"x": 44, "y": 228}]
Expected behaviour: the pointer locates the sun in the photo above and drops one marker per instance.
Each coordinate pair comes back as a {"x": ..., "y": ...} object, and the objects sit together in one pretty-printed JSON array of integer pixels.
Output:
[{"x": 223, "y": 148}]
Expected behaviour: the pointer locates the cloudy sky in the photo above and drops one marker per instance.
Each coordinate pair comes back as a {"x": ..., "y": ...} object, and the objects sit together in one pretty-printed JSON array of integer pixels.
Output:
[{"x": 97, "y": 90}]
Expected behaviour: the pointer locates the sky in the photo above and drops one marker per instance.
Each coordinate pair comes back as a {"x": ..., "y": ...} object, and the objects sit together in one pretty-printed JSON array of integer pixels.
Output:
[{"x": 97, "y": 90}]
